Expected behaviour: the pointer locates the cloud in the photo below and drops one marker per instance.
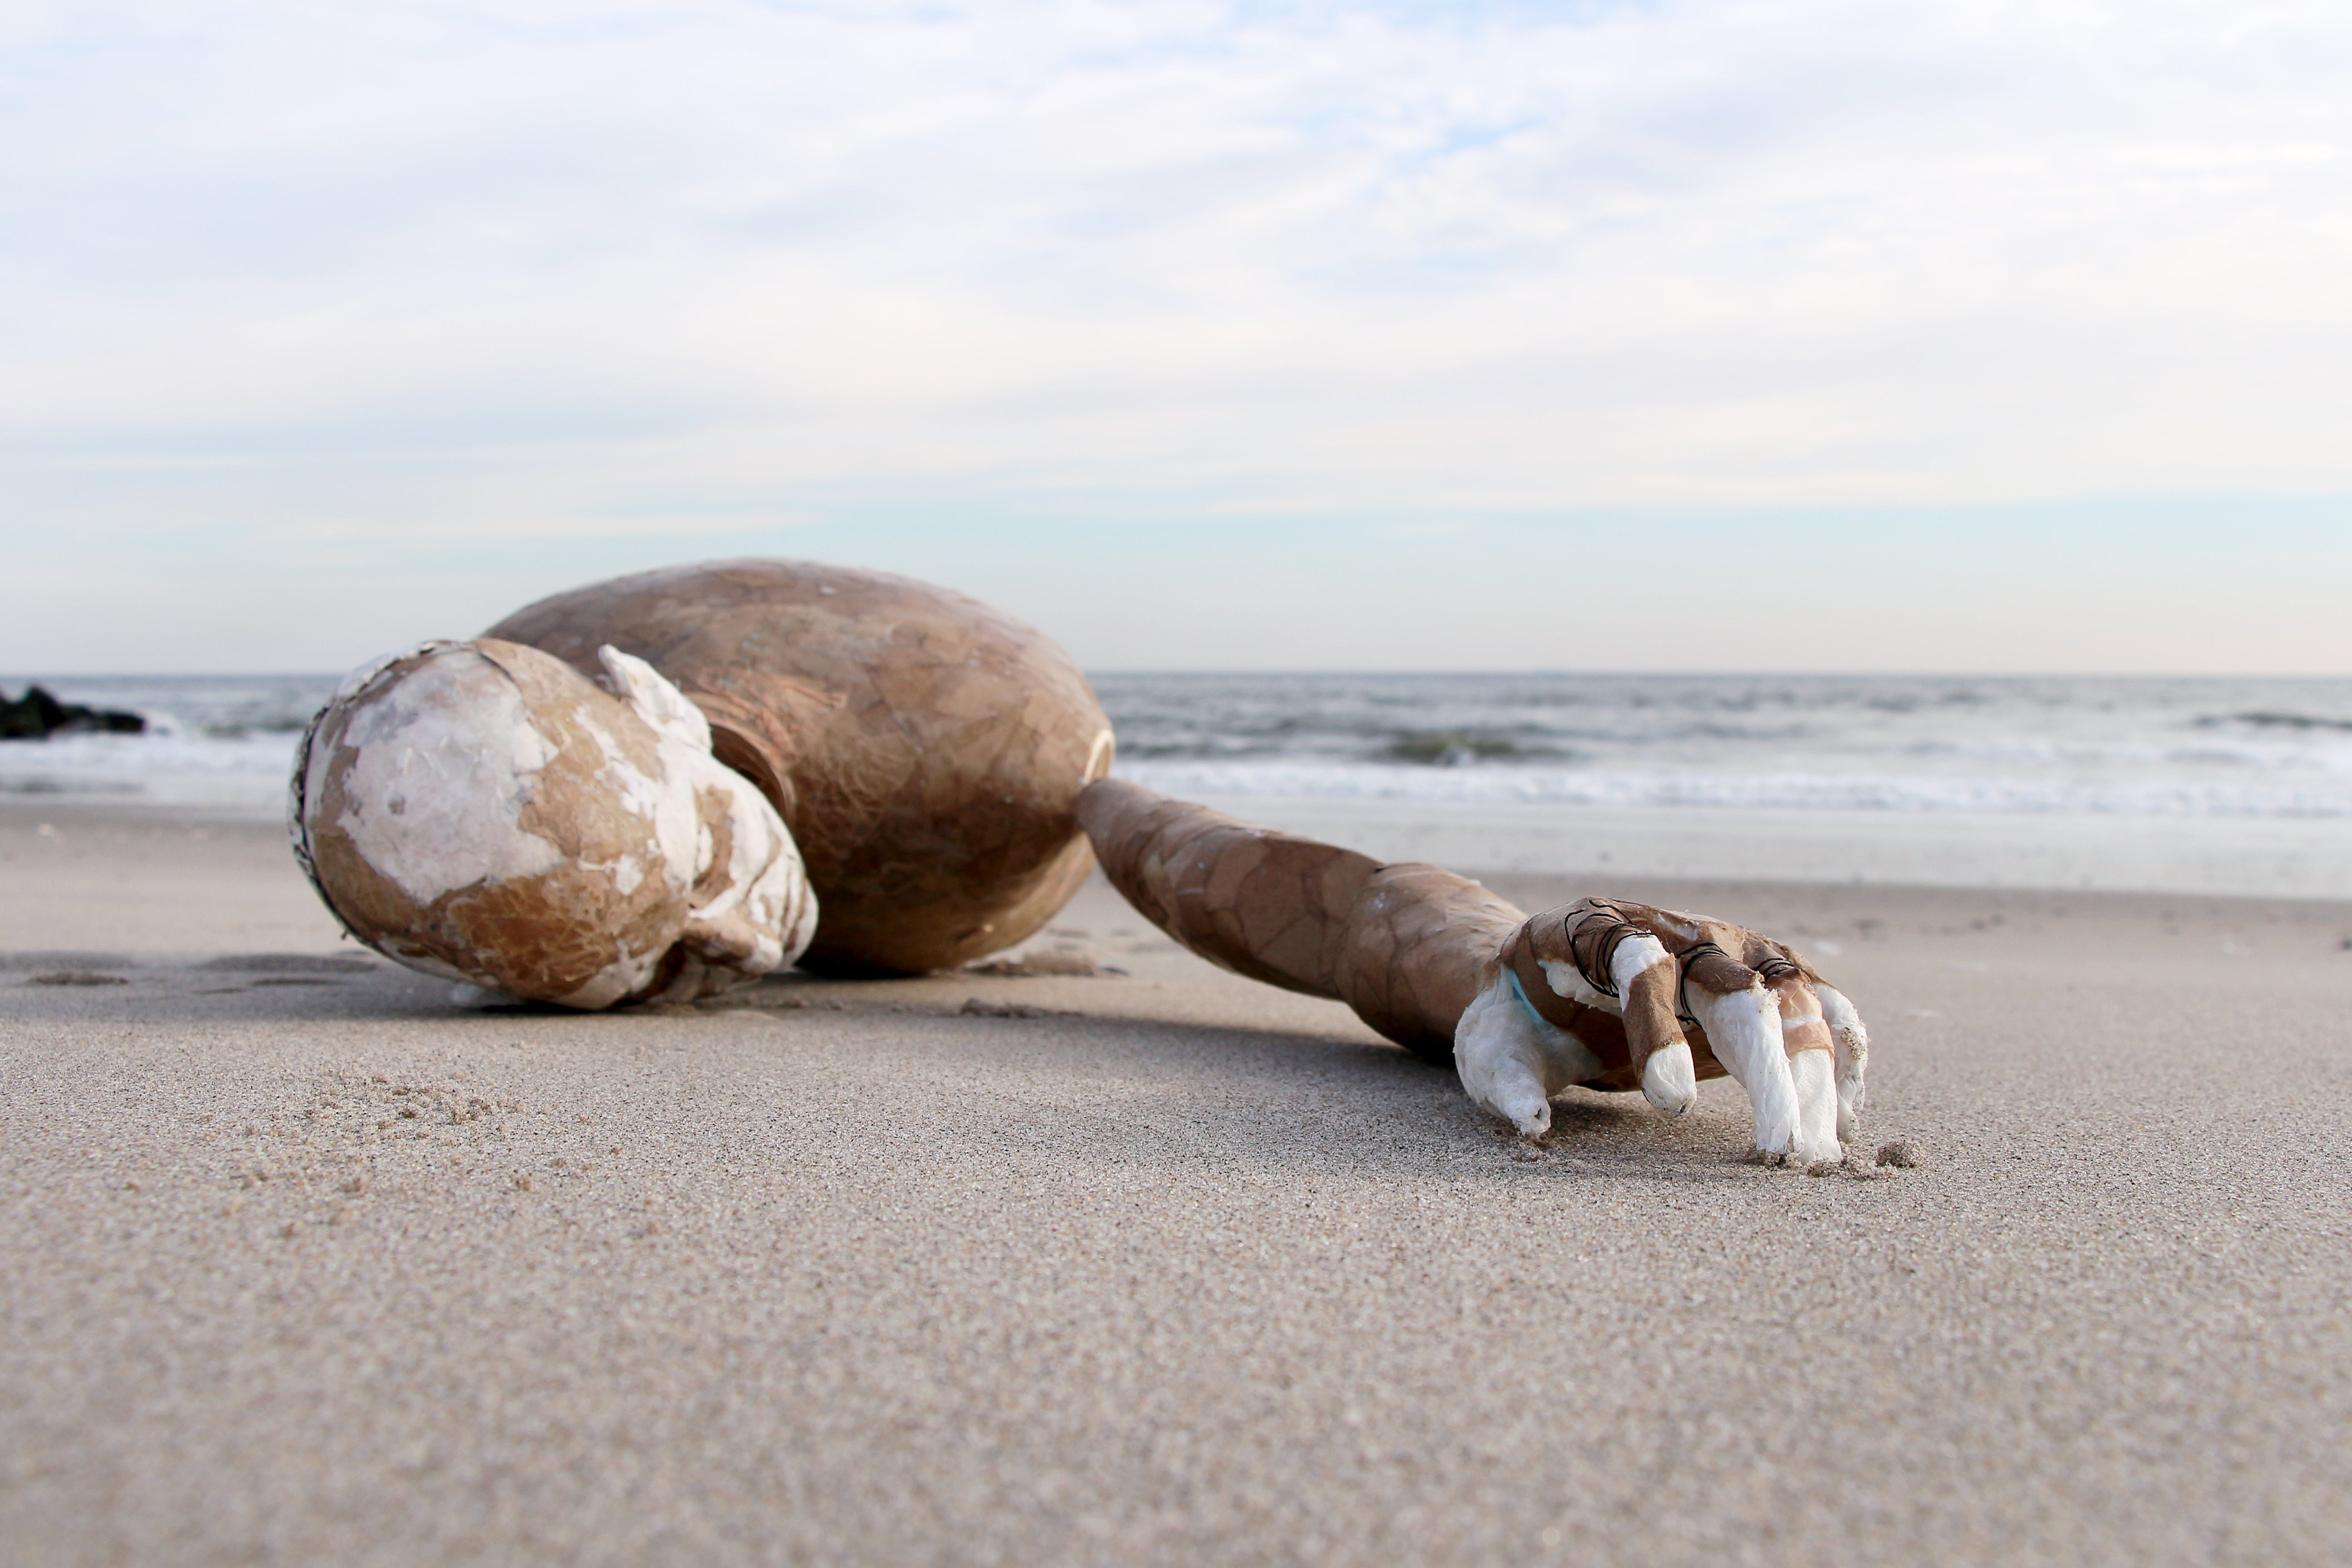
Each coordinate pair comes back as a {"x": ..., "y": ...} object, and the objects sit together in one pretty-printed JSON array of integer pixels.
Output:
[{"x": 511, "y": 268}]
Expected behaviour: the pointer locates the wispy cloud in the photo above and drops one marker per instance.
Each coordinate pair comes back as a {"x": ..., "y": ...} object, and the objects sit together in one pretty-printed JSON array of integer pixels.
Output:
[{"x": 505, "y": 267}]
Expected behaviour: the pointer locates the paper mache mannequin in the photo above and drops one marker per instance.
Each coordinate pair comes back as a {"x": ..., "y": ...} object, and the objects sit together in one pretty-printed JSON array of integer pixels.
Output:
[{"x": 675, "y": 782}]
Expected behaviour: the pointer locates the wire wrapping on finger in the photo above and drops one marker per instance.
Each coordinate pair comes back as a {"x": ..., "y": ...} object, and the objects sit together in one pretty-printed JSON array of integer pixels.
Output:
[
  {"x": 1612, "y": 936},
  {"x": 1683, "y": 962}
]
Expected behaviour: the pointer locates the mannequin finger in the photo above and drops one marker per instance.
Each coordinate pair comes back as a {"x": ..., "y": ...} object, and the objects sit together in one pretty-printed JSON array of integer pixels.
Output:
[
  {"x": 1498, "y": 1053},
  {"x": 1510, "y": 1086},
  {"x": 1604, "y": 955},
  {"x": 1743, "y": 1027},
  {"x": 1805, "y": 1037},
  {"x": 1850, "y": 1045},
  {"x": 1645, "y": 977}
]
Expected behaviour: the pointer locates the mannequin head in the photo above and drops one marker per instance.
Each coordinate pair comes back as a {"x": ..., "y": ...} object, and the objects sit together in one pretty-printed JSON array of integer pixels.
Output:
[{"x": 484, "y": 812}]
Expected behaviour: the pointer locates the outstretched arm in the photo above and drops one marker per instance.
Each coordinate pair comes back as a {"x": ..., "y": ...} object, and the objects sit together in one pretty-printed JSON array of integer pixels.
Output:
[
  {"x": 1406, "y": 945},
  {"x": 1603, "y": 992}
]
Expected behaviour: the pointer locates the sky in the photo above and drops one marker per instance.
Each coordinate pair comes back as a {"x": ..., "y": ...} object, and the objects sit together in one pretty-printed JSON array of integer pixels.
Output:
[{"x": 1725, "y": 335}]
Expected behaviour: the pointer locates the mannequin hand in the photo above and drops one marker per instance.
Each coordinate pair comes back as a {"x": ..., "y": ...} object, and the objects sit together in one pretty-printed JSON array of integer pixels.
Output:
[{"x": 1617, "y": 994}]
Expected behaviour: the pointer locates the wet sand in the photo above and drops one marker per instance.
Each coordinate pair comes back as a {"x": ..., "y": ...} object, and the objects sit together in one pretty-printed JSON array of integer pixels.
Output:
[{"x": 304, "y": 1263}]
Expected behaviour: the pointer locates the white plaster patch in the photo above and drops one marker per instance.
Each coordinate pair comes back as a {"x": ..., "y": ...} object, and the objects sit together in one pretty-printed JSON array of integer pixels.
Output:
[
  {"x": 1670, "y": 1078},
  {"x": 1565, "y": 980},
  {"x": 1744, "y": 1030},
  {"x": 1816, "y": 1136},
  {"x": 1511, "y": 1061},
  {"x": 439, "y": 770},
  {"x": 1851, "y": 1043},
  {"x": 761, "y": 913},
  {"x": 1500, "y": 1061},
  {"x": 1634, "y": 955},
  {"x": 765, "y": 907},
  {"x": 652, "y": 798},
  {"x": 654, "y": 698},
  {"x": 1677, "y": 924}
]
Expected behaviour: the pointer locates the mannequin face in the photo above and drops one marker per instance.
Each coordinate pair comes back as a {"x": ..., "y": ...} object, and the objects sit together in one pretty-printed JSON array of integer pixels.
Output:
[{"x": 482, "y": 811}]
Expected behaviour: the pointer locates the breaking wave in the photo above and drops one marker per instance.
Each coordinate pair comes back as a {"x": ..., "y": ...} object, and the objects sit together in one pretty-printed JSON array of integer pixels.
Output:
[
  {"x": 2147, "y": 747},
  {"x": 1797, "y": 791}
]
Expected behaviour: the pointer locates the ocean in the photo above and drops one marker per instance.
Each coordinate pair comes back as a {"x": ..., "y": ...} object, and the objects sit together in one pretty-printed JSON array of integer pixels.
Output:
[{"x": 2189, "y": 784}]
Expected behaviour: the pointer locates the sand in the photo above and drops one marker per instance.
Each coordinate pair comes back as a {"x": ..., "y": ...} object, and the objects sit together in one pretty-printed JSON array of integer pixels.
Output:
[
  {"x": 2280, "y": 856},
  {"x": 305, "y": 1263}
]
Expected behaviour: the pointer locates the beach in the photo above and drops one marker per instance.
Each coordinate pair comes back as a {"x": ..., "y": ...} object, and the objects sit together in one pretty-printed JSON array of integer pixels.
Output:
[
  {"x": 310, "y": 1262},
  {"x": 659, "y": 495}
]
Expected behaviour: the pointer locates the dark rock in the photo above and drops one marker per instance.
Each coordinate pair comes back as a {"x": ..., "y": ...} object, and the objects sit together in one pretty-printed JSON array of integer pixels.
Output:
[{"x": 38, "y": 715}]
